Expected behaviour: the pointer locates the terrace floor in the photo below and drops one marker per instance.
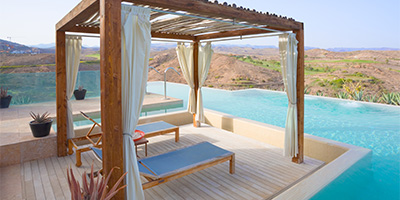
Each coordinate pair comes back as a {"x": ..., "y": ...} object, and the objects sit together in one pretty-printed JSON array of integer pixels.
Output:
[{"x": 261, "y": 171}]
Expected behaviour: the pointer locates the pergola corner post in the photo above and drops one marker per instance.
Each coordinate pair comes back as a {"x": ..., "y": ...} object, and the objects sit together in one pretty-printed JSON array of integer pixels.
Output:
[
  {"x": 61, "y": 91},
  {"x": 110, "y": 82},
  {"x": 300, "y": 94},
  {"x": 196, "y": 77}
]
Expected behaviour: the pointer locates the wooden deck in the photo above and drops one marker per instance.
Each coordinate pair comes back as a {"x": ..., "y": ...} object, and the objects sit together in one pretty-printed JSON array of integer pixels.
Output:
[{"x": 261, "y": 171}]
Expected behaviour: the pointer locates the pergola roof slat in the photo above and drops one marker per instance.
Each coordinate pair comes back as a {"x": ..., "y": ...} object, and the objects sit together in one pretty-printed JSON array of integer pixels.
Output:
[
  {"x": 154, "y": 15},
  {"x": 211, "y": 18},
  {"x": 205, "y": 8},
  {"x": 179, "y": 26}
]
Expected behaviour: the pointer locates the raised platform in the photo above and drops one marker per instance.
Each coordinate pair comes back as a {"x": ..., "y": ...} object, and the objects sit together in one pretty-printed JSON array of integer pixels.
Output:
[
  {"x": 262, "y": 172},
  {"x": 17, "y": 145}
]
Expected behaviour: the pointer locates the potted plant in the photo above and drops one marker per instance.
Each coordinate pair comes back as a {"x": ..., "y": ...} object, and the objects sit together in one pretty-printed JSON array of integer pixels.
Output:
[
  {"x": 41, "y": 124},
  {"x": 4, "y": 98},
  {"x": 80, "y": 93}
]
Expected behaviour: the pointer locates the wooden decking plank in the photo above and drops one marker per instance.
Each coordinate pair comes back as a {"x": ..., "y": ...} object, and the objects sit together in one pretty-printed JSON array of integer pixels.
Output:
[
  {"x": 62, "y": 179},
  {"x": 55, "y": 184},
  {"x": 28, "y": 189},
  {"x": 48, "y": 189},
  {"x": 37, "y": 180}
]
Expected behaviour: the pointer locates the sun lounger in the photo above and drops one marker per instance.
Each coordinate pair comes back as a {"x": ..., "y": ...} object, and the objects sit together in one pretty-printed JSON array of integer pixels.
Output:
[
  {"x": 181, "y": 162},
  {"x": 158, "y": 128},
  {"x": 152, "y": 129}
]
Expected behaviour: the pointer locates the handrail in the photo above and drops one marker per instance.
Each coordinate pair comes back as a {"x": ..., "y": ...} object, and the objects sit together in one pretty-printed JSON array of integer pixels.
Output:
[
  {"x": 150, "y": 67},
  {"x": 154, "y": 69},
  {"x": 165, "y": 81}
]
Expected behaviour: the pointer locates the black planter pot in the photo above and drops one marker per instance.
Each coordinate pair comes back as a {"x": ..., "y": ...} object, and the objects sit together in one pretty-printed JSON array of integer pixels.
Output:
[
  {"x": 41, "y": 130},
  {"x": 5, "y": 101},
  {"x": 80, "y": 94}
]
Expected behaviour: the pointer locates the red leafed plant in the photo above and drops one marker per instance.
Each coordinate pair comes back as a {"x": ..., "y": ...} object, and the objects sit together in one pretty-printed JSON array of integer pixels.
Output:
[{"x": 92, "y": 189}]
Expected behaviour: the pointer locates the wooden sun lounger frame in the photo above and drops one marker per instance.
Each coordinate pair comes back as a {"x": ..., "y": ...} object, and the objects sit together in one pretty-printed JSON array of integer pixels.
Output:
[
  {"x": 154, "y": 181},
  {"x": 72, "y": 143}
]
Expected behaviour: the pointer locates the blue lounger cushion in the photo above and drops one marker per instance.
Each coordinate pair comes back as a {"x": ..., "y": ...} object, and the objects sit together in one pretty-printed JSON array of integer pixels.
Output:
[
  {"x": 155, "y": 126},
  {"x": 172, "y": 162}
]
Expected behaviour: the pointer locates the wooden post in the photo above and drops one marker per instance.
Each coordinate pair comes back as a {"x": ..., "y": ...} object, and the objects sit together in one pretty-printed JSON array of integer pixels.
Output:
[
  {"x": 300, "y": 95},
  {"x": 61, "y": 91},
  {"x": 110, "y": 81},
  {"x": 196, "y": 76}
]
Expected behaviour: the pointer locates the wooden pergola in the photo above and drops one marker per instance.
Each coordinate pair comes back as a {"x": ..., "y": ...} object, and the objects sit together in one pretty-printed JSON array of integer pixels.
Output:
[{"x": 194, "y": 20}]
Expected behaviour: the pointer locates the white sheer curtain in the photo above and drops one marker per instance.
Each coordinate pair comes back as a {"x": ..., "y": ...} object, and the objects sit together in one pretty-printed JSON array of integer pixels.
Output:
[
  {"x": 135, "y": 47},
  {"x": 288, "y": 52},
  {"x": 205, "y": 54},
  {"x": 73, "y": 47},
  {"x": 185, "y": 58}
]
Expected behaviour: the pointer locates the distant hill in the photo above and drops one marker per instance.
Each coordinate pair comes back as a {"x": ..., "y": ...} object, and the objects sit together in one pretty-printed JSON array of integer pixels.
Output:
[
  {"x": 342, "y": 49},
  {"x": 164, "y": 46},
  {"x": 7, "y": 47},
  {"x": 45, "y": 46}
]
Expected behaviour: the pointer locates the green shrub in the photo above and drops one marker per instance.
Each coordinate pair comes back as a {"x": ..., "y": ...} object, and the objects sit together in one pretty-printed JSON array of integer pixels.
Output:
[
  {"x": 342, "y": 95},
  {"x": 358, "y": 74},
  {"x": 371, "y": 98},
  {"x": 358, "y": 95},
  {"x": 337, "y": 83},
  {"x": 210, "y": 86},
  {"x": 390, "y": 98}
]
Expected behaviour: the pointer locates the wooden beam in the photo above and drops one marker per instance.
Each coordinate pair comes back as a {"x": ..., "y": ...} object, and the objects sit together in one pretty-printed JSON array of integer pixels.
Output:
[
  {"x": 84, "y": 29},
  {"x": 172, "y": 36},
  {"x": 80, "y": 13},
  {"x": 196, "y": 77},
  {"x": 61, "y": 91},
  {"x": 300, "y": 95},
  {"x": 249, "y": 31},
  {"x": 205, "y": 8},
  {"x": 110, "y": 81}
]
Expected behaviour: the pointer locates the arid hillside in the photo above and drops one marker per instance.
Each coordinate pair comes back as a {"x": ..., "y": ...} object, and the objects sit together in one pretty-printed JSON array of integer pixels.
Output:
[
  {"x": 327, "y": 73},
  {"x": 225, "y": 72}
]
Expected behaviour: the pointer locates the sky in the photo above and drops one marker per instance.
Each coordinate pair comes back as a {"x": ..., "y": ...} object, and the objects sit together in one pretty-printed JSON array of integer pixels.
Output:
[{"x": 327, "y": 24}]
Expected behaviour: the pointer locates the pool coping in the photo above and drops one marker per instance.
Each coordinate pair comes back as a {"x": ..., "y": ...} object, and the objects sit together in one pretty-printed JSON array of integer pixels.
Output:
[{"x": 315, "y": 182}]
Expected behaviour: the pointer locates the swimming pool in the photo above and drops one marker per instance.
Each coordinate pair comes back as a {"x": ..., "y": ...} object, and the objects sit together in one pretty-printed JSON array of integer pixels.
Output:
[{"x": 372, "y": 126}]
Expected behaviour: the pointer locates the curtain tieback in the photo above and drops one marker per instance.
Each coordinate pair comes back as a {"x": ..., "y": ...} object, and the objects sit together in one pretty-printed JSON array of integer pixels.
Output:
[
  {"x": 293, "y": 104},
  {"x": 128, "y": 134}
]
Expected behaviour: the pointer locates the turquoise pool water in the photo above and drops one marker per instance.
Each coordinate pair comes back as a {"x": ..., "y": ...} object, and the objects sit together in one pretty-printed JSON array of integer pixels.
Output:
[{"x": 376, "y": 127}]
